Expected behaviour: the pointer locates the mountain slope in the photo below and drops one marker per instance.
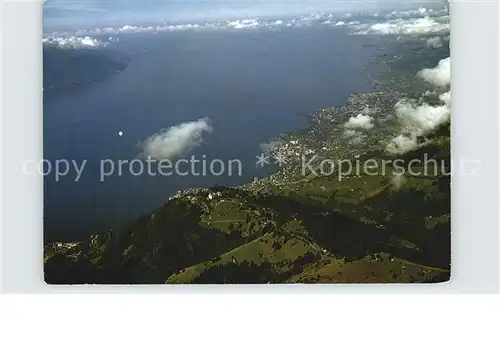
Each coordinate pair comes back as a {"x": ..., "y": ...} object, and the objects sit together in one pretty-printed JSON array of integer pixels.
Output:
[{"x": 359, "y": 229}]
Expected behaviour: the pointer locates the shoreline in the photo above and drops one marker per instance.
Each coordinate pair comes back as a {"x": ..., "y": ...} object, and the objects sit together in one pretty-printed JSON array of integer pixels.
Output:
[
  {"x": 309, "y": 139},
  {"x": 267, "y": 180},
  {"x": 311, "y": 118}
]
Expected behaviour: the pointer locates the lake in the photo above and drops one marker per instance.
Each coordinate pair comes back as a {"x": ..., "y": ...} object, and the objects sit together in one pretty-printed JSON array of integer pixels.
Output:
[{"x": 251, "y": 84}]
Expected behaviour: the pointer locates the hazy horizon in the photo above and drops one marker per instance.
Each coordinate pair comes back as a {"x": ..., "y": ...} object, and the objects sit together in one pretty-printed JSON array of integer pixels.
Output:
[{"x": 79, "y": 14}]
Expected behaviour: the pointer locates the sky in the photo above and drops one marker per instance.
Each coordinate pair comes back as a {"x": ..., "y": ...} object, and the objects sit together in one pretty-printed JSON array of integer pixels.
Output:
[{"x": 84, "y": 13}]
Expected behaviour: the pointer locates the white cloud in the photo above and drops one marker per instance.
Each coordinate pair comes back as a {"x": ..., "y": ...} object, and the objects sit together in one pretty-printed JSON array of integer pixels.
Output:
[
  {"x": 402, "y": 144},
  {"x": 176, "y": 141},
  {"x": 439, "y": 75},
  {"x": 75, "y": 42},
  {"x": 410, "y": 26},
  {"x": 341, "y": 23},
  {"x": 420, "y": 119},
  {"x": 417, "y": 121},
  {"x": 354, "y": 136},
  {"x": 434, "y": 42},
  {"x": 405, "y": 25},
  {"x": 360, "y": 121},
  {"x": 354, "y": 125},
  {"x": 421, "y": 11},
  {"x": 246, "y": 23},
  {"x": 446, "y": 98}
]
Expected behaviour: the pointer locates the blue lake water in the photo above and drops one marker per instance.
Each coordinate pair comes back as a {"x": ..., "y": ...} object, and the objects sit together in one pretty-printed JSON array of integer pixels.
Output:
[{"x": 251, "y": 84}]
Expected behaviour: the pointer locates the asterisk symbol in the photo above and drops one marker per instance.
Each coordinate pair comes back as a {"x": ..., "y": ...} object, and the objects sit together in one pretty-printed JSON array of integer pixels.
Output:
[
  {"x": 262, "y": 160},
  {"x": 280, "y": 160}
]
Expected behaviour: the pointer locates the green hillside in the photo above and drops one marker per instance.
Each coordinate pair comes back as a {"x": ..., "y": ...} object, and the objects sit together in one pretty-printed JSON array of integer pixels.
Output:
[{"x": 317, "y": 230}]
